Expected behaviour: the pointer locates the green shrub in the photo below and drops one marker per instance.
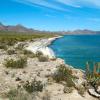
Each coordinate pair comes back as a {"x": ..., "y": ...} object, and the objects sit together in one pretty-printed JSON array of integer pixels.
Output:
[
  {"x": 34, "y": 86},
  {"x": 68, "y": 89},
  {"x": 64, "y": 74},
  {"x": 10, "y": 51},
  {"x": 29, "y": 54},
  {"x": 19, "y": 94},
  {"x": 38, "y": 54},
  {"x": 20, "y": 46},
  {"x": 81, "y": 90},
  {"x": 19, "y": 63},
  {"x": 43, "y": 58},
  {"x": 3, "y": 46}
]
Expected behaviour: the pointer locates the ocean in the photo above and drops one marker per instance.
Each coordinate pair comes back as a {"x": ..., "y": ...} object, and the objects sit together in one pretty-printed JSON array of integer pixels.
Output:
[{"x": 76, "y": 50}]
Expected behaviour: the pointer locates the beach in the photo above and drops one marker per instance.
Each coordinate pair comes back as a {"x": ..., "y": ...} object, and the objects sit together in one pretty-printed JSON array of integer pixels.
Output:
[{"x": 42, "y": 46}]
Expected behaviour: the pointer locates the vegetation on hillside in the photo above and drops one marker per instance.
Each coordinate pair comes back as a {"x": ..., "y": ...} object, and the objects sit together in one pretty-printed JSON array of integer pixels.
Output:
[
  {"x": 10, "y": 38},
  {"x": 18, "y": 63},
  {"x": 64, "y": 74}
]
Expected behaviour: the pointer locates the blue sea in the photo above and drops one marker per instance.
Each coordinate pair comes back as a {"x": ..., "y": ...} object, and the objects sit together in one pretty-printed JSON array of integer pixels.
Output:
[{"x": 76, "y": 50}]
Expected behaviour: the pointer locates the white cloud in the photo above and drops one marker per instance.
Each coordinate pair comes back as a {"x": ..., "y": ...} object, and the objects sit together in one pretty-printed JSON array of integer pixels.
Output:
[
  {"x": 80, "y": 3},
  {"x": 43, "y": 3},
  {"x": 72, "y": 3}
]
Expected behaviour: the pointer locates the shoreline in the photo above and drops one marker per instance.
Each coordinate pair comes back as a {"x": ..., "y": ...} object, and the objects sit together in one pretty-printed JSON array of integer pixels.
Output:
[
  {"x": 47, "y": 51},
  {"x": 83, "y": 71},
  {"x": 42, "y": 46}
]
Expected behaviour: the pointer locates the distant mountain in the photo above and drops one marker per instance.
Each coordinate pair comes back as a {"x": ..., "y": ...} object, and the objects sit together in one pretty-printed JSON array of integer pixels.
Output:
[
  {"x": 20, "y": 28},
  {"x": 85, "y": 31},
  {"x": 17, "y": 28},
  {"x": 2, "y": 27}
]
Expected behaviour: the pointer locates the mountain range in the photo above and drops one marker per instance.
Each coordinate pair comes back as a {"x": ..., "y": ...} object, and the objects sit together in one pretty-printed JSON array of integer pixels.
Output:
[{"x": 22, "y": 29}]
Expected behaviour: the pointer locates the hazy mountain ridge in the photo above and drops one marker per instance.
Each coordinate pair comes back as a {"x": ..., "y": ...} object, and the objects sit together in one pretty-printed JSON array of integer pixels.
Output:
[
  {"x": 17, "y": 28},
  {"x": 85, "y": 31},
  {"x": 21, "y": 28}
]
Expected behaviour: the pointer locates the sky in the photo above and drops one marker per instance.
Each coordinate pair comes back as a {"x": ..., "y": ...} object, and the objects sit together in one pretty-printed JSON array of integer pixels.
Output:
[{"x": 51, "y": 15}]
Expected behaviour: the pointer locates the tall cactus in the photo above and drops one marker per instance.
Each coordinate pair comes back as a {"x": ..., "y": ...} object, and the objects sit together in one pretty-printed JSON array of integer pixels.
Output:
[
  {"x": 87, "y": 69},
  {"x": 95, "y": 68}
]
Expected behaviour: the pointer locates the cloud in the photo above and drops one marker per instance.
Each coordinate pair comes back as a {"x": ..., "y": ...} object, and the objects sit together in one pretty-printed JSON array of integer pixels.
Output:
[
  {"x": 57, "y": 4},
  {"x": 81, "y": 3},
  {"x": 95, "y": 3},
  {"x": 72, "y": 3},
  {"x": 42, "y": 3}
]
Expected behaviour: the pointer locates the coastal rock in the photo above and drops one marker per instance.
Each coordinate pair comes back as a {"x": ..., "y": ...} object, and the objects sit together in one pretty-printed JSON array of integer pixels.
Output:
[
  {"x": 94, "y": 93},
  {"x": 98, "y": 89}
]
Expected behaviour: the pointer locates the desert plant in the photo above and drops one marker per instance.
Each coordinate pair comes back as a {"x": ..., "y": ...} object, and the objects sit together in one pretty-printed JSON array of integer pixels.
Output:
[
  {"x": 29, "y": 53},
  {"x": 68, "y": 89},
  {"x": 19, "y": 94},
  {"x": 64, "y": 74},
  {"x": 3, "y": 46},
  {"x": 34, "y": 86},
  {"x": 10, "y": 51},
  {"x": 20, "y": 46},
  {"x": 43, "y": 58},
  {"x": 19, "y": 63},
  {"x": 38, "y": 54},
  {"x": 81, "y": 90}
]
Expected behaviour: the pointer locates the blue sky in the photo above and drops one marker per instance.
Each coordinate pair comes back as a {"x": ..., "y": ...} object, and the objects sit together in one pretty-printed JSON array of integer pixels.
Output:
[{"x": 52, "y": 15}]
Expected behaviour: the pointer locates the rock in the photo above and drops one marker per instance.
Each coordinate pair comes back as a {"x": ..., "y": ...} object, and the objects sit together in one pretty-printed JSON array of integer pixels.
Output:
[
  {"x": 98, "y": 89},
  {"x": 94, "y": 93}
]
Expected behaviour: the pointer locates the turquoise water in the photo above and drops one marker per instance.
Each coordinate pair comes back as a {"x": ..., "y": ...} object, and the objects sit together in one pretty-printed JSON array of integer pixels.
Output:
[{"x": 76, "y": 50}]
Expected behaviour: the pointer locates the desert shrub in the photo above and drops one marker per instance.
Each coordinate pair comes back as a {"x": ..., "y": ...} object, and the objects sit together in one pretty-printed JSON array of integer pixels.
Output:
[
  {"x": 20, "y": 46},
  {"x": 34, "y": 86},
  {"x": 19, "y": 94},
  {"x": 19, "y": 63},
  {"x": 42, "y": 58},
  {"x": 64, "y": 74},
  {"x": 81, "y": 90},
  {"x": 10, "y": 42},
  {"x": 38, "y": 54},
  {"x": 29, "y": 53},
  {"x": 3, "y": 46},
  {"x": 10, "y": 51},
  {"x": 68, "y": 89}
]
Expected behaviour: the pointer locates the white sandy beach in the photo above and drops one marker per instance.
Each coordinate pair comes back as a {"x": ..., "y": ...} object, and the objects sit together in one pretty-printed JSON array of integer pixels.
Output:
[{"x": 42, "y": 46}]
